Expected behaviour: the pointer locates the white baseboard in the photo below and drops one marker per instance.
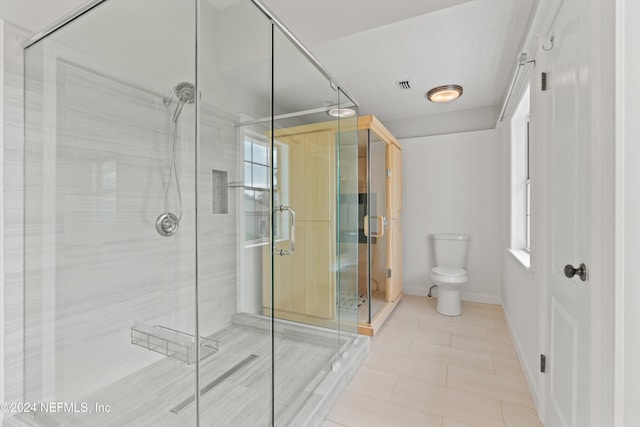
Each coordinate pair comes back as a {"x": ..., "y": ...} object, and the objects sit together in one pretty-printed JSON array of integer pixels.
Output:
[
  {"x": 530, "y": 376},
  {"x": 466, "y": 296}
]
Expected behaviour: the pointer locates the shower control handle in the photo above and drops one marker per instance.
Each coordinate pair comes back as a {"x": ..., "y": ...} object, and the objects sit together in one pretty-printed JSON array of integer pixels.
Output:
[{"x": 292, "y": 231}]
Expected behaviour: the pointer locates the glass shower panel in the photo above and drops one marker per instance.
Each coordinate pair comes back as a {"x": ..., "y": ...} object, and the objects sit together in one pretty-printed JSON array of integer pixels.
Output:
[
  {"x": 347, "y": 265},
  {"x": 233, "y": 162},
  {"x": 378, "y": 223},
  {"x": 373, "y": 224},
  {"x": 306, "y": 296},
  {"x": 110, "y": 219}
]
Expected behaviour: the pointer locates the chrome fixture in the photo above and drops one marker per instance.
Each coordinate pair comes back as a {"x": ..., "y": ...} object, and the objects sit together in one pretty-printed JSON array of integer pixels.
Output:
[
  {"x": 185, "y": 91},
  {"x": 167, "y": 223},
  {"x": 446, "y": 93},
  {"x": 292, "y": 231}
]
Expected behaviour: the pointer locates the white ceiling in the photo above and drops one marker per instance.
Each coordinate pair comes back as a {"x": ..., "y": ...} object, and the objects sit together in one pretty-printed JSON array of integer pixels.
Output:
[{"x": 368, "y": 45}]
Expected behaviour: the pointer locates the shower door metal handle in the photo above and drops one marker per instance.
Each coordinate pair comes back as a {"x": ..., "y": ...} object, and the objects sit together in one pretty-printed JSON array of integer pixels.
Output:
[{"x": 292, "y": 231}]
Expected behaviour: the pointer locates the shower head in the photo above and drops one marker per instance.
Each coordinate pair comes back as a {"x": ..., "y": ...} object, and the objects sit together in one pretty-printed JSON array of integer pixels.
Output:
[{"x": 184, "y": 91}]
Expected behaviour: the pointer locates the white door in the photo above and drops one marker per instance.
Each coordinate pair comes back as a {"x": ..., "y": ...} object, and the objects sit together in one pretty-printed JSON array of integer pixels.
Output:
[{"x": 568, "y": 305}]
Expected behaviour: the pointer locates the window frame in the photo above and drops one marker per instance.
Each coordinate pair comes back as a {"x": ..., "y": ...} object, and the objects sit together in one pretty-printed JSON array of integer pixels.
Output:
[
  {"x": 521, "y": 182},
  {"x": 256, "y": 139}
]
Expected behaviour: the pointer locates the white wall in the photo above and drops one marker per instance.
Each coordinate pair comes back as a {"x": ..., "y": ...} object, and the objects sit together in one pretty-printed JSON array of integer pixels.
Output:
[
  {"x": 520, "y": 288},
  {"x": 452, "y": 184}
]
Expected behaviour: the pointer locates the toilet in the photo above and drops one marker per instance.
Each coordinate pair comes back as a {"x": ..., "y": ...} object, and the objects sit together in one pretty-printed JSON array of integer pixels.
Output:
[{"x": 449, "y": 274}]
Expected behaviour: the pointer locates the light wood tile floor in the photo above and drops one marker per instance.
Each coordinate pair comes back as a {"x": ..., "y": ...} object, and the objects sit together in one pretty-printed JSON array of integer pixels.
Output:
[{"x": 428, "y": 370}]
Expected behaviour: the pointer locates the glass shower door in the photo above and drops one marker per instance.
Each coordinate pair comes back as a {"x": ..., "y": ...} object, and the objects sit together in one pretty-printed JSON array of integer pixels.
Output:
[
  {"x": 110, "y": 224},
  {"x": 373, "y": 236},
  {"x": 376, "y": 223},
  {"x": 308, "y": 284},
  {"x": 233, "y": 163}
]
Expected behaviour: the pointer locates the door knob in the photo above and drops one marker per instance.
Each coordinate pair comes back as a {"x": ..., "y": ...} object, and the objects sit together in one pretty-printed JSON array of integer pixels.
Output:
[{"x": 581, "y": 271}]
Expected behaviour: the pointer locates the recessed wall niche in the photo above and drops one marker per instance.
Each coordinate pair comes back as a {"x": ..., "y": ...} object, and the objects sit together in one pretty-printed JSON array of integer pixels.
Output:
[{"x": 219, "y": 192}]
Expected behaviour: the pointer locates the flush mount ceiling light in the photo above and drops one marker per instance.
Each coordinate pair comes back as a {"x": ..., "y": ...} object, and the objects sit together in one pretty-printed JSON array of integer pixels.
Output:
[
  {"x": 341, "y": 112},
  {"x": 444, "y": 93}
]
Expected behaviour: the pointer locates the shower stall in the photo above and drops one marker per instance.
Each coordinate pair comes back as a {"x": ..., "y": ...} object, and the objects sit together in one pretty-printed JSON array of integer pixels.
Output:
[{"x": 170, "y": 201}]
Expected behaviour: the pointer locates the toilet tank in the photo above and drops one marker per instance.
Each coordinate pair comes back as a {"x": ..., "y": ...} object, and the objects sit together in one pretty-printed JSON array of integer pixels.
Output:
[{"x": 450, "y": 250}]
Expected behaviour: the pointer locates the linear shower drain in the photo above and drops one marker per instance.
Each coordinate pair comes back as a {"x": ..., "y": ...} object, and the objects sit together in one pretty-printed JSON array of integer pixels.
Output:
[{"x": 207, "y": 388}]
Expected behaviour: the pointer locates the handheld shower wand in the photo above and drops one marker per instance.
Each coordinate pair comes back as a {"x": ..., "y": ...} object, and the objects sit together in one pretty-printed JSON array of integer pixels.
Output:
[{"x": 167, "y": 223}]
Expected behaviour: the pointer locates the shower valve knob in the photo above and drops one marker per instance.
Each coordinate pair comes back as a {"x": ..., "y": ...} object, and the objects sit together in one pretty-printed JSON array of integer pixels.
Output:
[{"x": 167, "y": 224}]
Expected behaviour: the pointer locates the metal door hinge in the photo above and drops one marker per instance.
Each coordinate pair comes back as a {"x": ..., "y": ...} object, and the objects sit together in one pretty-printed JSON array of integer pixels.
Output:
[
  {"x": 543, "y": 363},
  {"x": 543, "y": 81},
  {"x": 388, "y": 173},
  {"x": 388, "y": 273}
]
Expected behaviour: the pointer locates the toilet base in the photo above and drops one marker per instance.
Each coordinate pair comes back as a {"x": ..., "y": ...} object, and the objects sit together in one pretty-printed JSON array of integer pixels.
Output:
[{"x": 449, "y": 303}]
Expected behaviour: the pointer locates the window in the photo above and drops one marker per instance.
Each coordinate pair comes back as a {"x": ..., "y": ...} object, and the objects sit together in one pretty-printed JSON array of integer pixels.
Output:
[
  {"x": 521, "y": 180},
  {"x": 256, "y": 189}
]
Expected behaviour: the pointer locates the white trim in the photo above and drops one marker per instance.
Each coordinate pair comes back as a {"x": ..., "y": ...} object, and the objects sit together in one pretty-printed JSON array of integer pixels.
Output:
[
  {"x": 523, "y": 257},
  {"x": 519, "y": 163},
  {"x": 603, "y": 213}
]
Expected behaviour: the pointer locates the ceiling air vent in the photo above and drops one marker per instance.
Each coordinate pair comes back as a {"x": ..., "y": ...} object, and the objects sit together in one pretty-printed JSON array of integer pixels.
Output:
[{"x": 403, "y": 84}]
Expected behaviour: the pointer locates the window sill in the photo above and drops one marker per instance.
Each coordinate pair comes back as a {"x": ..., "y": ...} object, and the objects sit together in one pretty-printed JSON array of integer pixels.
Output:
[{"x": 523, "y": 257}]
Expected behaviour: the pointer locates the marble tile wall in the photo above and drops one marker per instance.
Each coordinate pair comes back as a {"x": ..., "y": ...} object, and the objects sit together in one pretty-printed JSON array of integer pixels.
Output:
[
  {"x": 95, "y": 263},
  {"x": 12, "y": 214}
]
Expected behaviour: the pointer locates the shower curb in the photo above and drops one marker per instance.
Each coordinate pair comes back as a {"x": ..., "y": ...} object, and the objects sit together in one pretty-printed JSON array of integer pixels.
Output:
[{"x": 319, "y": 404}]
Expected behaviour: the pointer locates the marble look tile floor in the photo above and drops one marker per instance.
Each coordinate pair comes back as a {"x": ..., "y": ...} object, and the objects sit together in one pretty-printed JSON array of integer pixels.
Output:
[{"x": 429, "y": 370}]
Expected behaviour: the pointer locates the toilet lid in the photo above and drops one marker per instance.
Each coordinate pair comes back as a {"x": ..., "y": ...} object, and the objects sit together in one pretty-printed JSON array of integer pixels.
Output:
[{"x": 449, "y": 271}]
